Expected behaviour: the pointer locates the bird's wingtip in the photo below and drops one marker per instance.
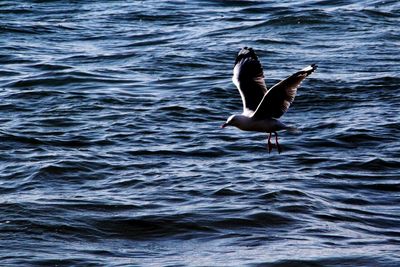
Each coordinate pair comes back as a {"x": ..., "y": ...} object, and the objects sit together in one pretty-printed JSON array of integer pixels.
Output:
[
  {"x": 246, "y": 52},
  {"x": 308, "y": 70}
]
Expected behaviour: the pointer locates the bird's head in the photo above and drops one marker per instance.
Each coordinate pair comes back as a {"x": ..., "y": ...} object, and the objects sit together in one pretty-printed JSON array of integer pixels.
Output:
[{"x": 231, "y": 121}]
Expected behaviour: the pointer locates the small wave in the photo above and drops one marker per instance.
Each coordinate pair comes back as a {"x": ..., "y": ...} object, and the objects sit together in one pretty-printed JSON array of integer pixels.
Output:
[
  {"x": 277, "y": 41},
  {"x": 388, "y": 187},
  {"x": 356, "y": 201},
  {"x": 48, "y": 80},
  {"x": 6, "y": 137},
  {"x": 149, "y": 226},
  {"x": 27, "y": 29},
  {"x": 284, "y": 196},
  {"x": 260, "y": 219},
  {"x": 14, "y": 59},
  {"x": 75, "y": 141},
  {"x": 8, "y": 73},
  {"x": 374, "y": 164},
  {"x": 155, "y": 42},
  {"x": 379, "y": 14},
  {"x": 50, "y": 261},
  {"x": 85, "y": 206},
  {"x": 358, "y": 138},
  {"x": 69, "y": 170},
  {"x": 226, "y": 192},
  {"x": 16, "y": 10},
  {"x": 50, "y": 67},
  {"x": 173, "y": 108},
  {"x": 327, "y": 261},
  {"x": 36, "y": 94},
  {"x": 207, "y": 153}
]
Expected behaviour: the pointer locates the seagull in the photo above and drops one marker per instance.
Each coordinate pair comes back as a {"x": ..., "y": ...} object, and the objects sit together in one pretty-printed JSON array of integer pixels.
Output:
[{"x": 261, "y": 107}]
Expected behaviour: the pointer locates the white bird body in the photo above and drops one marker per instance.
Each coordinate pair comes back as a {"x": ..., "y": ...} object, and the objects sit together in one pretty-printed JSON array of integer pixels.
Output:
[
  {"x": 262, "y": 107},
  {"x": 266, "y": 125}
]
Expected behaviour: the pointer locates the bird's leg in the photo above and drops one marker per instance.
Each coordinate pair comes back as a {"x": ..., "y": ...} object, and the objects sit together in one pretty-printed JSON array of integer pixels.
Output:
[
  {"x": 269, "y": 143},
  {"x": 277, "y": 143}
]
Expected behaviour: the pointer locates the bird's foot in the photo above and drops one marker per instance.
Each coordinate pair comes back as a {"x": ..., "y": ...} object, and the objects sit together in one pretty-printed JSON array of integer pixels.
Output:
[
  {"x": 277, "y": 143},
  {"x": 270, "y": 147},
  {"x": 269, "y": 143}
]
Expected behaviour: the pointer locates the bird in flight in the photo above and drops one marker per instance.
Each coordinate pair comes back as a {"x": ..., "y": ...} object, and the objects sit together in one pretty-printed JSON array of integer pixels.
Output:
[{"x": 261, "y": 107}]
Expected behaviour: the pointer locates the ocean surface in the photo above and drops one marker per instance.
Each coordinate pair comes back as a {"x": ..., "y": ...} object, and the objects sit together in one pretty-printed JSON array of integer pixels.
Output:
[{"x": 112, "y": 152}]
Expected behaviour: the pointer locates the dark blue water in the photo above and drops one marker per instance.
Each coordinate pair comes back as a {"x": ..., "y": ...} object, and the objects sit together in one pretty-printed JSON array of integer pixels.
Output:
[{"x": 111, "y": 151}]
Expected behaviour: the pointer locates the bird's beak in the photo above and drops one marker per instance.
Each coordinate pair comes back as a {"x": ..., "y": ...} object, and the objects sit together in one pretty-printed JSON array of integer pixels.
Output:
[{"x": 224, "y": 125}]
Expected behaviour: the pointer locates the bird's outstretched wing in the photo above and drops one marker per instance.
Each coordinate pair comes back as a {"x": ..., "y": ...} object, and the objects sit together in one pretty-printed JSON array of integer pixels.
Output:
[
  {"x": 249, "y": 79},
  {"x": 278, "y": 99}
]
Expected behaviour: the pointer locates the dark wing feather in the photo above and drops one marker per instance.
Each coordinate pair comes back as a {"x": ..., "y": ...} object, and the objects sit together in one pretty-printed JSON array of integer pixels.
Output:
[
  {"x": 278, "y": 99},
  {"x": 249, "y": 79}
]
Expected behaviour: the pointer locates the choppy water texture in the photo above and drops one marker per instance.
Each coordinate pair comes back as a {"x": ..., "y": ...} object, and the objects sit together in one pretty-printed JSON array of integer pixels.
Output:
[{"x": 111, "y": 151}]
